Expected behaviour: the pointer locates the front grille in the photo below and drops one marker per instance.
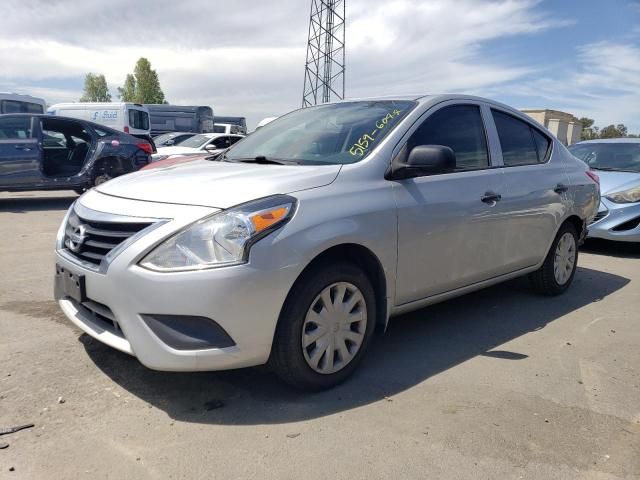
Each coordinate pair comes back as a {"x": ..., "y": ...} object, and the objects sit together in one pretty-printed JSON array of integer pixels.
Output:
[
  {"x": 90, "y": 240},
  {"x": 101, "y": 315}
]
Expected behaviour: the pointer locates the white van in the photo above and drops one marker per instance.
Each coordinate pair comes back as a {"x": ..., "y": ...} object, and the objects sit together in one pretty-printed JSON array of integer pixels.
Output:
[
  {"x": 18, "y": 103},
  {"x": 131, "y": 118}
]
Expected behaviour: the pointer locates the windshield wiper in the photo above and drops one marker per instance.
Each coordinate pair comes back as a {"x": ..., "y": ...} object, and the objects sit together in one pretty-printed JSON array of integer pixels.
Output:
[{"x": 262, "y": 160}]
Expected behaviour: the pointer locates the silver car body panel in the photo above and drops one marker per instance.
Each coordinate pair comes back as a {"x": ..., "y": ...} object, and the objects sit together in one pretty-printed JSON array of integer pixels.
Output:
[
  {"x": 613, "y": 216},
  {"x": 432, "y": 236}
]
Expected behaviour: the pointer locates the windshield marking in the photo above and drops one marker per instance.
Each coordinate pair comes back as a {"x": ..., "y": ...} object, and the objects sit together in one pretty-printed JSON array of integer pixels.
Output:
[{"x": 362, "y": 144}]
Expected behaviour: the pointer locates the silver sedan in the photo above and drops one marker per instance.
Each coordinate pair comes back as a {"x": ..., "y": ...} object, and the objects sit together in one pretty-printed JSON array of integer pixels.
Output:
[
  {"x": 305, "y": 237},
  {"x": 617, "y": 162}
]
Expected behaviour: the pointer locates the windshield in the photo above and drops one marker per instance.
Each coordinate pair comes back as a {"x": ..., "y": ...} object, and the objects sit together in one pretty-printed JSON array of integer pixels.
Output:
[
  {"x": 609, "y": 156},
  {"x": 338, "y": 133},
  {"x": 196, "y": 141},
  {"x": 160, "y": 140}
]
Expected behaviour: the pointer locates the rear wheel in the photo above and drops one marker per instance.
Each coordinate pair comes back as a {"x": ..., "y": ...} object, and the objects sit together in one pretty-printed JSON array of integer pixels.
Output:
[
  {"x": 559, "y": 268},
  {"x": 325, "y": 327}
]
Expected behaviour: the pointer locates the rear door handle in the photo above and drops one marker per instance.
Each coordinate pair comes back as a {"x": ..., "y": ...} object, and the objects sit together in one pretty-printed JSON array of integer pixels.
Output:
[
  {"x": 491, "y": 197},
  {"x": 561, "y": 188}
]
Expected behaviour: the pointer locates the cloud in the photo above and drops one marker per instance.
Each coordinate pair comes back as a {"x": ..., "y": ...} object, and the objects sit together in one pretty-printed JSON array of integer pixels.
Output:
[
  {"x": 247, "y": 58},
  {"x": 605, "y": 85}
]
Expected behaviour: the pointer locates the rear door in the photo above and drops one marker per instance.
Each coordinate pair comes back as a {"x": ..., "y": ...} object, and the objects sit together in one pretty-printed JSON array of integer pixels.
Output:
[
  {"x": 535, "y": 189},
  {"x": 19, "y": 152}
]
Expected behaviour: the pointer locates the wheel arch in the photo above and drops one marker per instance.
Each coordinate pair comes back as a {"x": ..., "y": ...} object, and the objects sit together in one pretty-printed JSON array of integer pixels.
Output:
[{"x": 364, "y": 258}]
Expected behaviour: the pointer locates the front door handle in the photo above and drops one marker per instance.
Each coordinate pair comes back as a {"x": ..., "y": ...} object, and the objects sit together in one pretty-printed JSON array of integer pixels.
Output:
[
  {"x": 491, "y": 197},
  {"x": 22, "y": 147},
  {"x": 561, "y": 188}
]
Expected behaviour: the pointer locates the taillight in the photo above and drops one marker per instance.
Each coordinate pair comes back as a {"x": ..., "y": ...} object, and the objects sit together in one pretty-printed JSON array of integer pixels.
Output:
[
  {"x": 126, "y": 129},
  {"x": 146, "y": 147},
  {"x": 593, "y": 176}
]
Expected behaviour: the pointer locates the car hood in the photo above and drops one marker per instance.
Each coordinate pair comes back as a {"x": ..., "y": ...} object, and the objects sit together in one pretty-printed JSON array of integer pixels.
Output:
[
  {"x": 611, "y": 182},
  {"x": 218, "y": 184}
]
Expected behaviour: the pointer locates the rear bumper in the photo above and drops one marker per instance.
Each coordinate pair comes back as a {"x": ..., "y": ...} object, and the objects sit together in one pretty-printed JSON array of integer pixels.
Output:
[{"x": 617, "y": 222}]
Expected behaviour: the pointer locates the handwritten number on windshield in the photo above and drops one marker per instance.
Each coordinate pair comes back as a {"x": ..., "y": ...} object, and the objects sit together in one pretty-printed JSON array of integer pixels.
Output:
[{"x": 362, "y": 144}]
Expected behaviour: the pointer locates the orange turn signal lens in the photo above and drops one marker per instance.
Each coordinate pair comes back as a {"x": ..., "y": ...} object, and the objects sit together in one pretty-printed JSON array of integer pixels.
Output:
[{"x": 264, "y": 220}]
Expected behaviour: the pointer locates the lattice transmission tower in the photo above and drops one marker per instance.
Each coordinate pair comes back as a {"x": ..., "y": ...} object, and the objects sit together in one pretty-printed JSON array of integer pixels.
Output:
[{"x": 324, "y": 74}]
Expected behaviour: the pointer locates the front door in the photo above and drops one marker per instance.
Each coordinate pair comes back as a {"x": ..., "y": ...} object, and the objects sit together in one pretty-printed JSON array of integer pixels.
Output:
[
  {"x": 19, "y": 152},
  {"x": 449, "y": 225}
]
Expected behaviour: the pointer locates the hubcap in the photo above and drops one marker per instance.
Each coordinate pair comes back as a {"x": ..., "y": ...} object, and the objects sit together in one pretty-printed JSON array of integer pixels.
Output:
[
  {"x": 565, "y": 258},
  {"x": 334, "y": 328}
]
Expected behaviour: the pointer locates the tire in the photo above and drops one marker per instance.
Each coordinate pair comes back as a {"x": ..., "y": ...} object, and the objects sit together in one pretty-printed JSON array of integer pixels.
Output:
[
  {"x": 544, "y": 280},
  {"x": 100, "y": 179},
  {"x": 304, "y": 304}
]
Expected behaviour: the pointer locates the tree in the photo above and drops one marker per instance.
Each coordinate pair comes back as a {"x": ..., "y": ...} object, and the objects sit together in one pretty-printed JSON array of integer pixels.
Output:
[
  {"x": 614, "y": 131},
  {"x": 143, "y": 86},
  {"x": 128, "y": 91},
  {"x": 587, "y": 130},
  {"x": 95, "y": 89}
]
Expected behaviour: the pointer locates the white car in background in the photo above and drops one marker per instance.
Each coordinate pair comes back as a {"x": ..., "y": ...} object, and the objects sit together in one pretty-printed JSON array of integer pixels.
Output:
[{"x": 202, "y": 143}]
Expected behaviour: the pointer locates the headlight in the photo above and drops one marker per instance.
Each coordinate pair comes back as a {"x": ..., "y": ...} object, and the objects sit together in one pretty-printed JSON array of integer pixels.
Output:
[
  {"x": 222, "y": 239},
  {"x": 628, "y": 196}
]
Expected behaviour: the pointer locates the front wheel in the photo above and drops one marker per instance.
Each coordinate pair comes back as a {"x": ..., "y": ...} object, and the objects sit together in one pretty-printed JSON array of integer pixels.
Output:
[
  {"x": 325, "y": 327},
  {"x": 559, "y": 267},
  {"x": 100, "y": 179}
]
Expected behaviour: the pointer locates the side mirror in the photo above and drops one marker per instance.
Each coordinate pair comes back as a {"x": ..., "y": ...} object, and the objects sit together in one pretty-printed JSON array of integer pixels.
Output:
[
  {"x": 169, "y": 142},
  {"x": 424, "y": 160},
  {"x": 211, "y": 148}
]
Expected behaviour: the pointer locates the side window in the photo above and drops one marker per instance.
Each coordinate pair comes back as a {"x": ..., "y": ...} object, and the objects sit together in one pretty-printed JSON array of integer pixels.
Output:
[
  {"x": 459, "y": 127},
  {"x": 233, "y": 140},
  {"x": 222, "y": 142},
  {"x": 15, "y": 128},
  {"x": 516, "y": 140},
  {"x": 542, "y": 144}
]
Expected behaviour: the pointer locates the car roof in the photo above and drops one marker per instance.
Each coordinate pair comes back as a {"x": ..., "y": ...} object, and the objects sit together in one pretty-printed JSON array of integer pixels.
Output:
[
  {"x": 610, "y": 140},
  {"x": 216, "y": 135}
]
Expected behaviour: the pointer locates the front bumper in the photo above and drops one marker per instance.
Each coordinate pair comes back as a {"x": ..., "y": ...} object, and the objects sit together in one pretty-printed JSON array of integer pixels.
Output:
[
  {"x": 616, "y": 221},
  {"x": 244, "y": 300}
]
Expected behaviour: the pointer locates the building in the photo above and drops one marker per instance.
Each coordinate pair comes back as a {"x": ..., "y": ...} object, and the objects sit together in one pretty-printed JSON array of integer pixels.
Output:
[{"x": 563, "y": 125}]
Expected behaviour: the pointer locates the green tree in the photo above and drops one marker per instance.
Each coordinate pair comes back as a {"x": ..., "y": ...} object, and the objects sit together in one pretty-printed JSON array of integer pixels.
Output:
[
  {"x": 587, "y": 130},
  {"x": 143, "y": 86},
  {"x": 128, "y": 91},
  {"x": 614, "y": 131},
  {"x": 95, "y": 89}
]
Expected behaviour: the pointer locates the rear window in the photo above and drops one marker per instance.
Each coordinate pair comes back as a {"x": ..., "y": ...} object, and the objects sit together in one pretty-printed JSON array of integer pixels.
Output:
[
  {"x": 519, "y": 147},
  {"x": 138, "y": 119},
  {"x": 13, "y": 106}
]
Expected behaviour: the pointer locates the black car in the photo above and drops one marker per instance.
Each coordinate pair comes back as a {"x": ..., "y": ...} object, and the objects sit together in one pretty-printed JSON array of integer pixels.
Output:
[{"x": 46, "y": 152}]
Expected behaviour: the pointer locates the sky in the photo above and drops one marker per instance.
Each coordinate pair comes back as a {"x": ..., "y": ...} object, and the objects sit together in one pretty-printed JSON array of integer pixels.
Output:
[{"x": 246, "y": 57}]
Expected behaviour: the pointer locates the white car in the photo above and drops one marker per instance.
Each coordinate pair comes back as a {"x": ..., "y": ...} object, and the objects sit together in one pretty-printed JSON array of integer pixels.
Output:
[{"x": 202, "y": 143}]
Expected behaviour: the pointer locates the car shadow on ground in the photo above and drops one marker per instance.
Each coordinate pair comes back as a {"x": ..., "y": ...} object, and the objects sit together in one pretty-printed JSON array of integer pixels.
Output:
[
  {"x": 415, "y": 347},
  {"x": 33, "y": 203},
  {"x": 597, "y": 246}
]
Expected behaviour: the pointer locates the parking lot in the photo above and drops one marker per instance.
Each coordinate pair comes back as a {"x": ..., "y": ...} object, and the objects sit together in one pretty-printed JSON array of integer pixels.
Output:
[{"x": 501, "y": 383}]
